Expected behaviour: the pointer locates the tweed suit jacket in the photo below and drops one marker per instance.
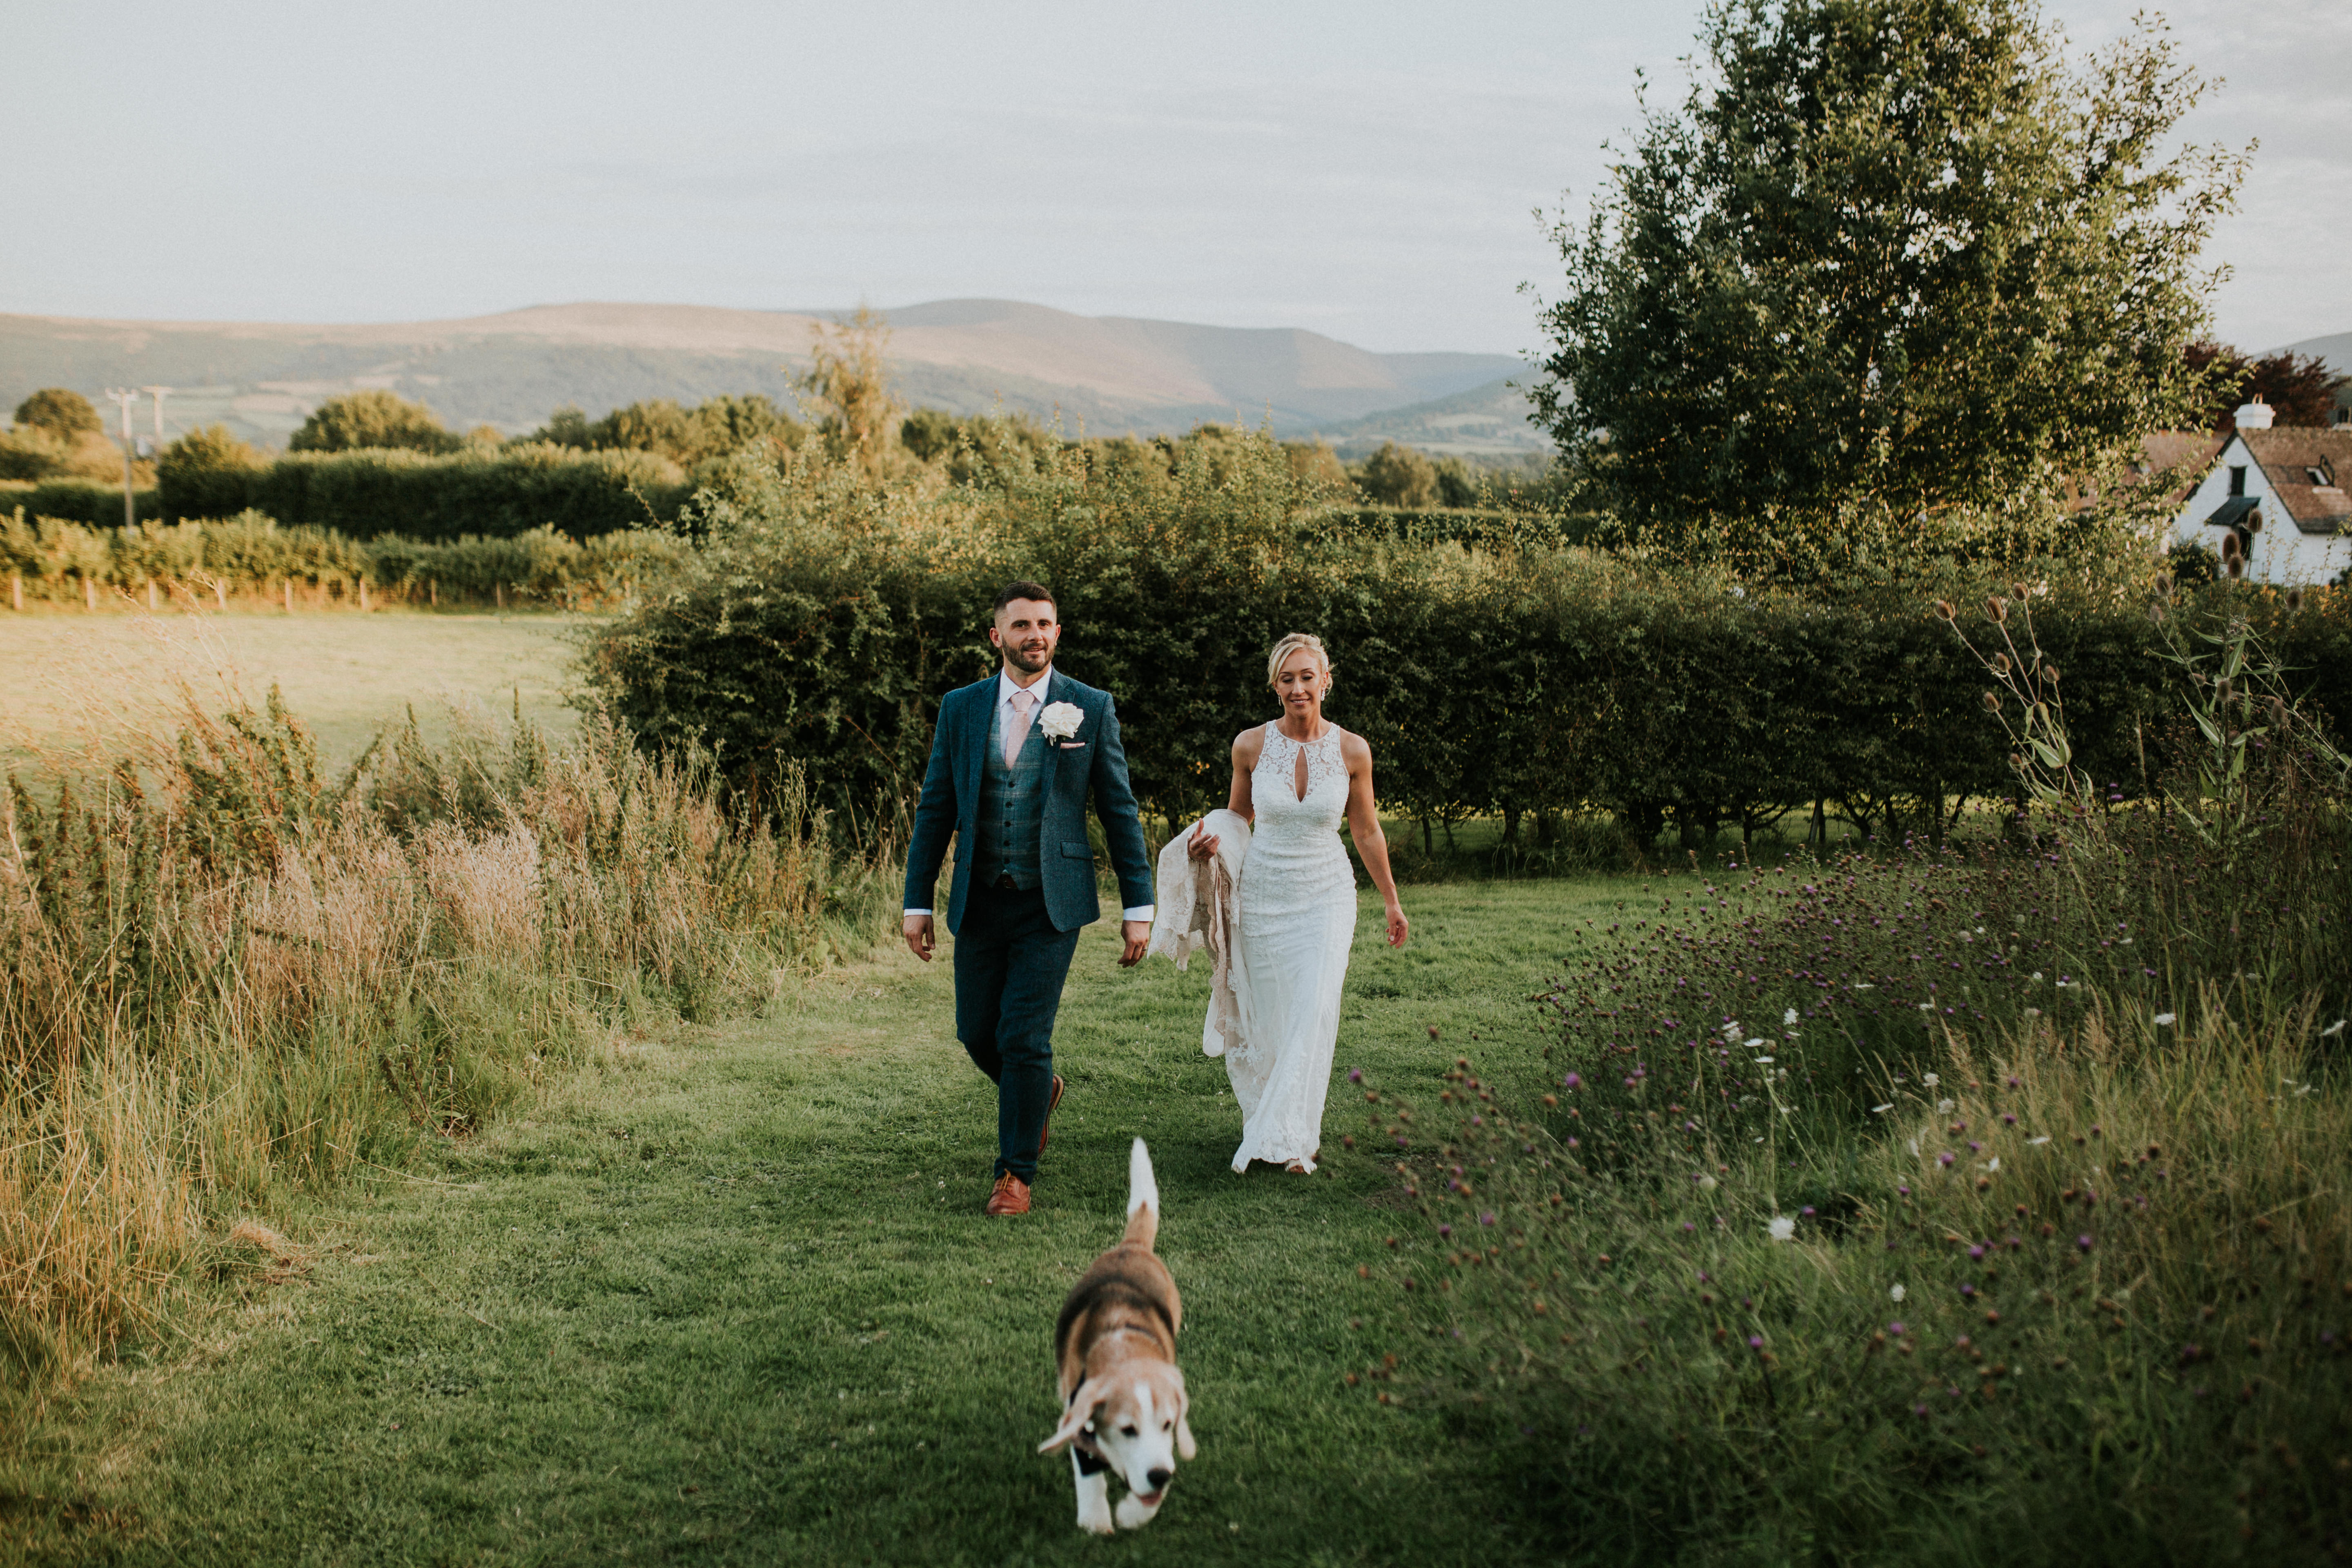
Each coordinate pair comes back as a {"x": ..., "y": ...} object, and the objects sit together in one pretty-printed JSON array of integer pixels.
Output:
[{"x": 1090, "y": 762}]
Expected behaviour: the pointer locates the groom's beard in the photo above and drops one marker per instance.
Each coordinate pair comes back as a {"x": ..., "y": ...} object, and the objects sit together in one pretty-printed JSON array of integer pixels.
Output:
[{"x": 1029, "y": 661}]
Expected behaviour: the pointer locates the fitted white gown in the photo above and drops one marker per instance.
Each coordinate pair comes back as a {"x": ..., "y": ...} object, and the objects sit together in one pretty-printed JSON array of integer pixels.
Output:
[{"x": 1296, "y": 921}]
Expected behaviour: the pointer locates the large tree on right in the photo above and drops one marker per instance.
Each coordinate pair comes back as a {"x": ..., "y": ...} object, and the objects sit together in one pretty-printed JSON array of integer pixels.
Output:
[{"x": 1900, "y": 253}]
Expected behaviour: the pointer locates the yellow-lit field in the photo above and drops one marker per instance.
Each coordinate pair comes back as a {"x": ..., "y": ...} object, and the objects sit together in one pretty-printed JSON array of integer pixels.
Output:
[{"x": 67, "y": 680}]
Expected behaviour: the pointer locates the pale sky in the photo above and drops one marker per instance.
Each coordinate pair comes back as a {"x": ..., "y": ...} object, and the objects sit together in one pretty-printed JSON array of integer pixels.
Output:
[{"x": 1365, "y": 169}]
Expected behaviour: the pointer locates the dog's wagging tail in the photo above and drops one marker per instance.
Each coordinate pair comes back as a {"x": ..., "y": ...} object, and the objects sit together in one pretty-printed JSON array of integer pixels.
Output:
[{"x": 1125, "y": 1410}]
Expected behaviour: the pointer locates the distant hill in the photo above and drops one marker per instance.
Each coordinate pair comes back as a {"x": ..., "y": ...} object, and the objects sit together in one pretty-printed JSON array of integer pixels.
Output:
[
  {"x": 1487, "y": 421},
  {"x": 1109, "y": 374},
  {"x": 2335, "y": 348}
]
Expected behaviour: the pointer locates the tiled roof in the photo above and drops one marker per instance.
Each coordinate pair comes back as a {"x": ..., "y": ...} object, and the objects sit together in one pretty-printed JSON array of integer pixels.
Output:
[{"x": 2307, "y": 467}]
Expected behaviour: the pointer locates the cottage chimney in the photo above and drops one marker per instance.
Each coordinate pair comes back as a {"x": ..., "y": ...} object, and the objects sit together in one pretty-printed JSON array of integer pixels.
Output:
[{"x": 2254, "y": 415}]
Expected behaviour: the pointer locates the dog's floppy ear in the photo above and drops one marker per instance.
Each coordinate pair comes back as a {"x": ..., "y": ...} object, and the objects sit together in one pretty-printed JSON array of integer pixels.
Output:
[
  {"x": 1185, "y": 1447},
  {"x": 1074, "y": 1418}
]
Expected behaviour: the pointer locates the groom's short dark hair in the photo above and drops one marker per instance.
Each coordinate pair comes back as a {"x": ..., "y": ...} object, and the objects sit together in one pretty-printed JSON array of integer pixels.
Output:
[{"x": 1021, "y": 588}]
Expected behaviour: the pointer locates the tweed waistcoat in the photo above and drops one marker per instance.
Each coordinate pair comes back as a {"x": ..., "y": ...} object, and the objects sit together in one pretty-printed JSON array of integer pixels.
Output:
[{"x": 1011, "y": 807}]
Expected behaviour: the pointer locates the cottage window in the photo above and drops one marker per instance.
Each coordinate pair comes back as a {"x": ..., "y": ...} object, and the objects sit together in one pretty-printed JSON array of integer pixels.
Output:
[{"x": 2237, "y": 479}]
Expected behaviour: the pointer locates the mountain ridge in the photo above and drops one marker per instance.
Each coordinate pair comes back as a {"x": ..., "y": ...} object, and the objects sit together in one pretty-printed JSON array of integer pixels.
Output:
[{"x": 512, "y": 368}]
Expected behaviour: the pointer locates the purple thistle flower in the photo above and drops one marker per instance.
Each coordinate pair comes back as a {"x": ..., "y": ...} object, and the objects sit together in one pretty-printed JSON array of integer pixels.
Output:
[
  {"x": 2084, "y": 1242},
  {"x": 1807, "y": 1210},
  {"x": 1446, "y": 1230},
  {"x": 1571, "y": 1082},
  {"x": 1976, "y": 1252},
  {"x": 1756, "y": 1342},
  {"x": 1945, "y": 1158},
  {"x": 1898, "y": 1330},
  {"x": 1487, "y": 1218}
]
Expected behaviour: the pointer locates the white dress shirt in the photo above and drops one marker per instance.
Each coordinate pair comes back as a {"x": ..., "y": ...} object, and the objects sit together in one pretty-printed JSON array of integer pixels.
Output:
[{"x": 1008, "y": 713}]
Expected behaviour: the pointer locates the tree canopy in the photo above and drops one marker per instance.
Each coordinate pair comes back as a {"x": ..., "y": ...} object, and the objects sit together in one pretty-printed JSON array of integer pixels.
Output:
[
  {"x": 2300, "y": 388},
  {"x": 1890, "y": 252},
  {"x": 371, "y": 417},
  {"x": 60, "y": 410}
]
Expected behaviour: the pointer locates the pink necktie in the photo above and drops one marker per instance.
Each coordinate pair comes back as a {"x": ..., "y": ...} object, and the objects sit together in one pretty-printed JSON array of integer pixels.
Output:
[{"x": 1018, "y": 731}]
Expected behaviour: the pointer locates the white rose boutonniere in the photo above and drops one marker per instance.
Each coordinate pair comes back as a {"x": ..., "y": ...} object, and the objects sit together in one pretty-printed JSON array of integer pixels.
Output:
[{"x": 1060, "y": 720}]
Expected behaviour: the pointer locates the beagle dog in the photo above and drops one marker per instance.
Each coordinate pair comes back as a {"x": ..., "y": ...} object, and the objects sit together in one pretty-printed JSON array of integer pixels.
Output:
[{"x": 1123, "y": 1400}]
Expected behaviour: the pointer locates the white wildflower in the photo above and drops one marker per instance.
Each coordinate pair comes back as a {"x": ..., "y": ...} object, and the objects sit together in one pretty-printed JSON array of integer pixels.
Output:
[
  {"x": 1863, "y": 985},
  {"x": 2333, "y": 1030},
  {"x": 1896, "y": 1292},
  {"x": 1882, "y": 1109},
  {"x": 1914, "y": 1148},
  {"x": 1946, "y": 1107},
  {"x": 1930, "y": 1080},
  {"x": 2036, "y": 977},
  {"x": 1789, "y": 1018},
  {"x": 1707, "y": 1183},
  {"x": 2037, "y": 1142},
  {"x": 1782, "y": 1229},
  {"x": 1763, "y": 1061},
  {"x": 2033, "y": 1012},
  {"x": 2166, "y": 1020},
  {"x": 1732, "y": 1031},
  {"x": 1993, "y": 1163},
  {"x": 1757, "y": 1044},
  {"x": 1926, "y": 1006}
]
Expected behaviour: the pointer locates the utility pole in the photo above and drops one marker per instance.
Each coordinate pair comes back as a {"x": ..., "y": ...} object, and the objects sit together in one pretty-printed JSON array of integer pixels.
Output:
[
  {"x": 158, "y": 393},
  {"x": 125, "y": 397}
]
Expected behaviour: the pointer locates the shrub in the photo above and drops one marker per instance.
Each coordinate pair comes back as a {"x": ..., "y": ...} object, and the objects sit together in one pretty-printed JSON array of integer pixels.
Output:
[
  {"x": 61, "y": 413},
  {"x": 474, "y": 491},
  {"x": 206, "y": 473},
  {"x": 92, "y": 502},
  {"x": 369, "y": 419}
]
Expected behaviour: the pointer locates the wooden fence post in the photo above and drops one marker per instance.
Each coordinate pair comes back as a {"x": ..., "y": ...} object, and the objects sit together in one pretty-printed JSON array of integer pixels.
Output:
[
  {"x": 432, "y": 591},
  {"x": 363, "y": 594},
  {"x": 90, "y": 591},
  {"x": 151, "y": 595},
  {"x": 289, "y": 596},
  {"x": 499, "y": 590},
  {"x": 15, "y": 590}
]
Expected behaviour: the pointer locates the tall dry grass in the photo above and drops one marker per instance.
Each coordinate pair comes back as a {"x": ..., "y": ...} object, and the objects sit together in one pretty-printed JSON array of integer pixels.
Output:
[{"x": 223, "y": 975}]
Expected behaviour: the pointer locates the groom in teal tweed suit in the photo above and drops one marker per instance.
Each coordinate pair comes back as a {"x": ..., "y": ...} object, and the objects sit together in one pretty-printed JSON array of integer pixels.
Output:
[{"x": 1013, "y": 758}]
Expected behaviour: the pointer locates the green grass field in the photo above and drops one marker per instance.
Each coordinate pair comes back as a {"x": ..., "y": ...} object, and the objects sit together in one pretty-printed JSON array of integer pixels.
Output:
[
  {"x": 733, "y": 1301},
  {"x": 62, "y": 675}
]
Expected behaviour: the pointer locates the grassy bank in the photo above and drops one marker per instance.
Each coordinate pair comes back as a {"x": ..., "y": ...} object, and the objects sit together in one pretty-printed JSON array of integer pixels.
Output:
[{"x": 733, "y": 1300}]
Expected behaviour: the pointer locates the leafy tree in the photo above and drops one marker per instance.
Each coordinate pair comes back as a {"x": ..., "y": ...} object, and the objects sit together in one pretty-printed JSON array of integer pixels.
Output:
[
  {"x": 2301, "y": 389},
  {"x": 1315, "y": 462},
  {"x": 370, "y": 418},
  {"x": 1897, "y": 253},
  {"x": 62, "y": 412},
  {"x": 567, "y": 427},
  {"x": 1457, "y": 485},
  {"x": 729, "y": 424},
  {"x": 207, "y": 450},
  {"x": 848, "y": 386},
  {"x": 1399, "y": 476}
]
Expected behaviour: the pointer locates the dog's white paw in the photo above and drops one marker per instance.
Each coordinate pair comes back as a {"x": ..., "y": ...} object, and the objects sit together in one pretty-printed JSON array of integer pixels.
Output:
[
  {"x": 1134, "y": 1514},
  {"x": 1098, "y": 1520},
  {"x": 1094, "y": 1500}
]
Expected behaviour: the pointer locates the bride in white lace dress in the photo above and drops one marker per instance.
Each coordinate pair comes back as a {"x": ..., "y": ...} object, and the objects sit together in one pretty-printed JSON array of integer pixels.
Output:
[{"x": 1294, "y": 780}]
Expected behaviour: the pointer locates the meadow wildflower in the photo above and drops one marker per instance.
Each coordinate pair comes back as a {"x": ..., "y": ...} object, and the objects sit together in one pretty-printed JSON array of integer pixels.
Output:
[
  {"x": 1895, "y": 1293},
  {"x": 1782, "y": 1229}
]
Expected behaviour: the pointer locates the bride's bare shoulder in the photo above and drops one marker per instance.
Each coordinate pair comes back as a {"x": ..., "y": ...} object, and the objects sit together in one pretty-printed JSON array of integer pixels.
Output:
[
  {"x": 1248, "y": 744},
  {"x": 1354, "y": 748}
]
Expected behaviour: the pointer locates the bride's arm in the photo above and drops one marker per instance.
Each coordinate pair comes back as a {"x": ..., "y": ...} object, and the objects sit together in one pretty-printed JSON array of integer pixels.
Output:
[
  {"x": 1246, "y": 748},
  {"x": 1364, "y": 827}
]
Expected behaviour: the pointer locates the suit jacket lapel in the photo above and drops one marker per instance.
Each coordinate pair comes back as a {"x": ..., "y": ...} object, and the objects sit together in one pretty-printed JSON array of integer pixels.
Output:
[{"x": 1056, "y": 691}]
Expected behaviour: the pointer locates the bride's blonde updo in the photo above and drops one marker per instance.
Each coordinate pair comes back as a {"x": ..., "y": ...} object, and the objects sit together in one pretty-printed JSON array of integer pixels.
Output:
[{"x": 1291, "y": 643}]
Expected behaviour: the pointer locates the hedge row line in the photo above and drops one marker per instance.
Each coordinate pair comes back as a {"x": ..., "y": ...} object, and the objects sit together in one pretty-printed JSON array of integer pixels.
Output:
[
  {"x": 1529, "y": 680},
  {"x": 56, "y": 560},
  {"x": 488, "y": 491}
]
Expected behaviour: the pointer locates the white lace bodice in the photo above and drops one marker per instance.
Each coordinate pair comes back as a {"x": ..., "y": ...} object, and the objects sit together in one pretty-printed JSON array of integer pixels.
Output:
[{"x": 1274, "y": 786}]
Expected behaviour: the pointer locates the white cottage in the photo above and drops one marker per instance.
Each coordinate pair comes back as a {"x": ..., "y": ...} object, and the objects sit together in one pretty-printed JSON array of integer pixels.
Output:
[{"x": 2275, "y": 499}]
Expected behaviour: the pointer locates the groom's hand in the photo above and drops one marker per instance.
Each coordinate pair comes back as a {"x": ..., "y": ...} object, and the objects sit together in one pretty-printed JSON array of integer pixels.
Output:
[
  {"x": 1139, "y": 937},
  {"x": 917, "y": 928}
]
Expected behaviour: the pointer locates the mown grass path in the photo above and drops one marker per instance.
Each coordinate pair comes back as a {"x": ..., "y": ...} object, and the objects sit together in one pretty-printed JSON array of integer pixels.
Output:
[{"x": 735, "y": 1302}]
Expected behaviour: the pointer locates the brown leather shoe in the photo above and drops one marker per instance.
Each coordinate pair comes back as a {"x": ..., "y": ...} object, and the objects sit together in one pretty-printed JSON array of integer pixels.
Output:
[
  {"x": 1047, "y": 1131},
  {"x": 1011, "y": 1196}
]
